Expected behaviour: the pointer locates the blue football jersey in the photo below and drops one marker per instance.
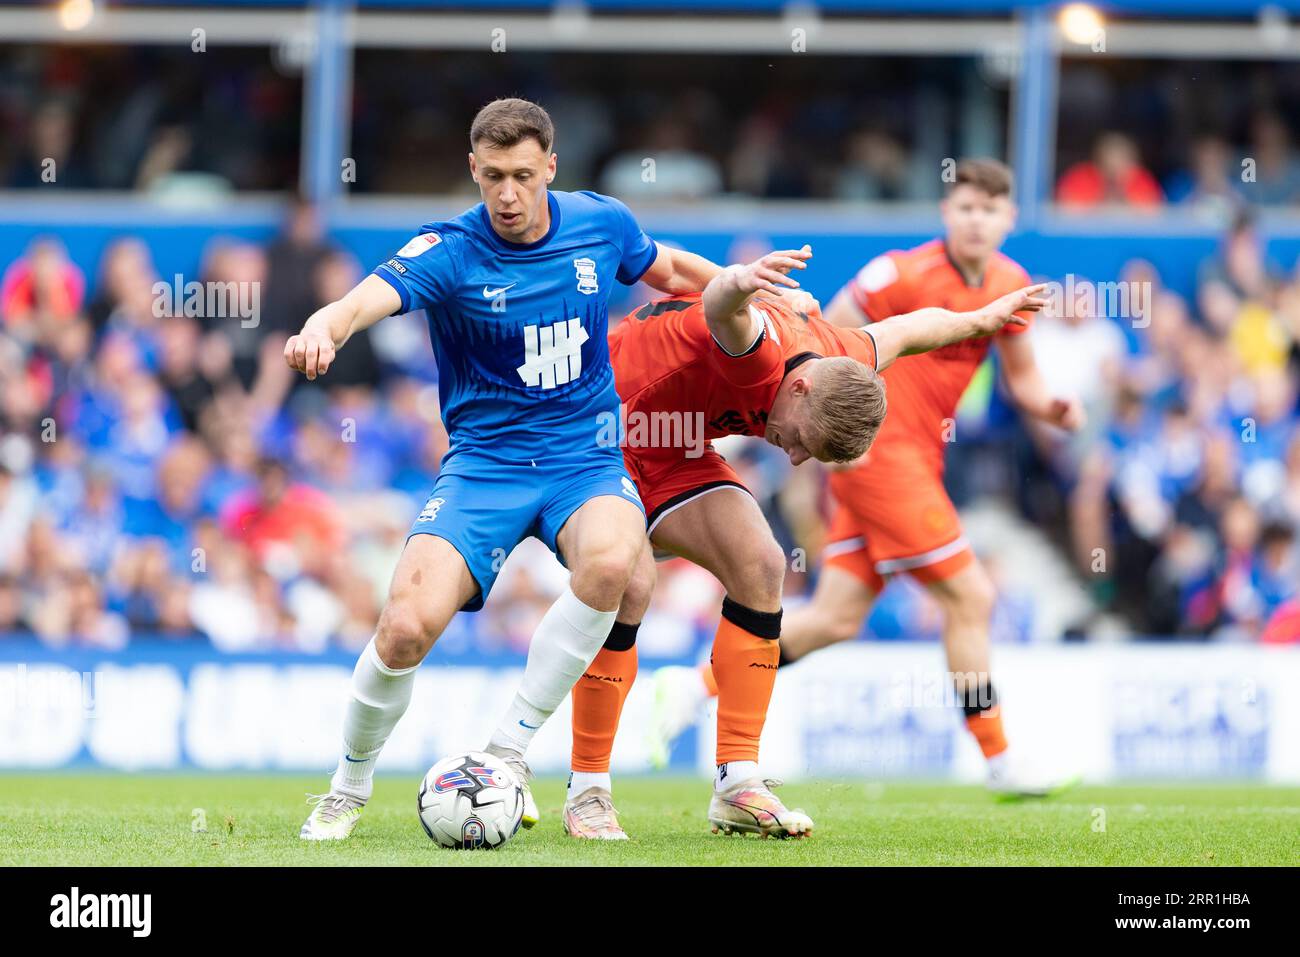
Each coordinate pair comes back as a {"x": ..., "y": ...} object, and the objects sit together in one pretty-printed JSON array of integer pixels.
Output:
[{"x": 519, "y": 330}]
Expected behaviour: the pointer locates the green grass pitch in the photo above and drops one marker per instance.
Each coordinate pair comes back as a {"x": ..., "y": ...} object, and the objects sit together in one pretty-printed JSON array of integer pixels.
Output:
[{"x": 146, "y": 819}]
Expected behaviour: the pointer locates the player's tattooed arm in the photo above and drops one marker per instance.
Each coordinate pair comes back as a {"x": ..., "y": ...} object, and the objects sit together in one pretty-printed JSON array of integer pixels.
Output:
[
  {"x": 677, "y": 272},
  {"x": 727, "y": 295},
  {"x": 1029, "y": 390},
  {"x": 927, "y": 329},
  {"x": 311, "y": 351}
]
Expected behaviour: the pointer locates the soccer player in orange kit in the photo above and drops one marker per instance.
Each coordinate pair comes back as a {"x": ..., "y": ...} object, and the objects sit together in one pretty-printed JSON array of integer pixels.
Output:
[
  {"x": 892, "y": 512},
  {"x": 741, "y": 360}
]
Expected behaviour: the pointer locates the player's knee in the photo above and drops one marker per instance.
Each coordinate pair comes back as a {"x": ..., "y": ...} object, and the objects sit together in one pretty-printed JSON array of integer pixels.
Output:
[
  {"x": 640, "y": 588},
  {"x": 608, "y": 572},
  {"x": 839, "y": 627},
  {"x": 403, "y": 637},
  {"x": 973, "y": 599},
  {"x": 761, "y": 577},
  {"x": 771, "y": 571}
]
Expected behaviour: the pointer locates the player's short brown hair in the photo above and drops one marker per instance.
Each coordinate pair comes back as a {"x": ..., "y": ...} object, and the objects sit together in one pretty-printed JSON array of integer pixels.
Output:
[
  {"x": 846, "y": 407},
  {"x": 989, "y": 175},
  {"x": 503, "y": 123}
]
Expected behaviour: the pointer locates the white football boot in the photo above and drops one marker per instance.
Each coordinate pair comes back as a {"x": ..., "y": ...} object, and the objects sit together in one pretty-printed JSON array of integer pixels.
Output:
[
  {"x": 333, "y": 817},
  {"x": 1012, "y": 779},
  {"x": 679, "y": 693},
  {"x": 516, "y": 763},
  {"x": 592, "y": 815},
  {"x": 750, "y": 807}
]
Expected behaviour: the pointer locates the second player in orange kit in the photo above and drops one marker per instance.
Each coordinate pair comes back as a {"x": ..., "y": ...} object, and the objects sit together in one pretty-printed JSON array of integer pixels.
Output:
[
  {"x": 737, "y": 359},
  {"x": 892, "y": 513}
]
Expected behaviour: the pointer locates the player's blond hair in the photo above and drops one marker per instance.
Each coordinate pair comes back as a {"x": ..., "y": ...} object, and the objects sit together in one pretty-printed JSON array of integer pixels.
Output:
[{"x": 846, "y": 407}]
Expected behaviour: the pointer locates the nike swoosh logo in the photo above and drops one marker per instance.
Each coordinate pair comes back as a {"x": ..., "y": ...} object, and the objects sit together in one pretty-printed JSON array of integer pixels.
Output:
[
  {"x": 355, "y": 760},
  {"x": 530, "y": 727},
  {"x": 493, "y": 293}
]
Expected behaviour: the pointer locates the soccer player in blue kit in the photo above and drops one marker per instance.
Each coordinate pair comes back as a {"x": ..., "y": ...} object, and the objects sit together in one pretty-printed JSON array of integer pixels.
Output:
[{"x": 516, "y": 293}]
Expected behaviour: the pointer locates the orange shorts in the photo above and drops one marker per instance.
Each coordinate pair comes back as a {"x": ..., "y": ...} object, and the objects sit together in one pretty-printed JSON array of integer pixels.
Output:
[
  {"x": 666, "y": 479},
  {"x": 889, "y": 520}
]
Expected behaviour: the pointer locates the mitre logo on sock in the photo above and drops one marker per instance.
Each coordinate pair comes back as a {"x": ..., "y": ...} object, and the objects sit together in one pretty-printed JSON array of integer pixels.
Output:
[
  {"x": 761, "y": 664},
  {"x": 609, "y": 678}
]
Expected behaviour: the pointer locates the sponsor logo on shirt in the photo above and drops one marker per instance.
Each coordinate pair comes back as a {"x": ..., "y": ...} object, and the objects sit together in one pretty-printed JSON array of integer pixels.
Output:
[
  {"x": 419, "y": 245},
  {"x": 552, "y": 354},
  {"x": 586, "y": 270}
]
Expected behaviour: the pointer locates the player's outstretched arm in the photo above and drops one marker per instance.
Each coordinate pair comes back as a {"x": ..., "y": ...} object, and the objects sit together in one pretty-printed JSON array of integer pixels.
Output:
[
  {"x": 677, "y": 272},
  {"x": 927, "y": 329},
  {"x": 844, "y": 312},
  {"x": 1029, "y": 390},
  {"x": 311, "y": 351},
  {"x": 727, "y": 295}
]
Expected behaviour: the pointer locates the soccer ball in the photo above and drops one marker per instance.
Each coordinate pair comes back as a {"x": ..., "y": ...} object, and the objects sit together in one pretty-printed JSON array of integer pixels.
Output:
[{"x": 470, "y": 801}]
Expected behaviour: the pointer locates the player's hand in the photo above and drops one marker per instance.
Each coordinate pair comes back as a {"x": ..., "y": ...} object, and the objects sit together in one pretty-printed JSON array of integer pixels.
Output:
[
  {"x": 310, "y": 353},
  {"x": 1066, "y": 413},
  {"x": 771, "y": 272},
  {"x": 1002, "y": 312}
]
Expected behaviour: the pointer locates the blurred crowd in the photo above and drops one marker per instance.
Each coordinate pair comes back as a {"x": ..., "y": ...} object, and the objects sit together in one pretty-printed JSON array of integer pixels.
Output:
[
  {"x": 1218, "y": 178},
  {"x": 1208, "y": 135},
  {"x": 649, "y": 126},
  {"x": 810, "y": 132},
  {"x": 151, "y": 472},
  {"x": 151, "y": 119},
  {"x": 164, "y": 474},
  {"x": 1181, "y": 500}
]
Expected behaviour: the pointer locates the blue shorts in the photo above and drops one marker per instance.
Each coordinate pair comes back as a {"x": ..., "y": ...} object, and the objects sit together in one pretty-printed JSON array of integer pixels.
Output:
[{"x": 485, "y": 507}]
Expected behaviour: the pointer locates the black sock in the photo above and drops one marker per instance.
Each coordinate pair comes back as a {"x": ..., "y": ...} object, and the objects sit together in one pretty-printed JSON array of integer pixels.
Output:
[
  {"x": 622, "y": 636},
  {"x": 976, "y": 699}
]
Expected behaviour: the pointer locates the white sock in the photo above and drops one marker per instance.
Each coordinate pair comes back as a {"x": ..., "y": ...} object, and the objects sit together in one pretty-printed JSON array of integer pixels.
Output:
[
  {"x": 564, "y": 645},
  {"x": 379, "y": 698},
  {"x": 579, "y": 781},
  {"x": 733, "y": 772},
  {"x": 997, "y": 764}
]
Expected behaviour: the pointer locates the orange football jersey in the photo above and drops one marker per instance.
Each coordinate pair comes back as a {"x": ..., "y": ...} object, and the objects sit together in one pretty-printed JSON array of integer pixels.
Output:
[
  {"x": 666, "y": 360},
  {"x": 924, "y": 389}
]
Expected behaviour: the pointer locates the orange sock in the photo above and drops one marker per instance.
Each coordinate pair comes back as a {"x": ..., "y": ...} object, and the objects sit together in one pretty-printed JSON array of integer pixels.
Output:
[
  {"x": 987, "y": 729},
  {"x": 598, "y": 700},
  {"x": 984, "y": 718},
  {"x": 710, "y": 683},
  {"x": 745, "y": 656}
]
